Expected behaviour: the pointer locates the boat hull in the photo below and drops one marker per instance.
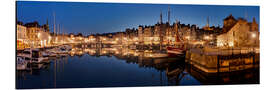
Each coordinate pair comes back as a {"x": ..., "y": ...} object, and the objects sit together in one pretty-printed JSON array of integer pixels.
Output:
[{"x": 173, "y": 52}]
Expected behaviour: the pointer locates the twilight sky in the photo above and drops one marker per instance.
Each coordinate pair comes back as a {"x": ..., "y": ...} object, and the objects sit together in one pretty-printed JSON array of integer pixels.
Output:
[{"x": 87, "y": 17}]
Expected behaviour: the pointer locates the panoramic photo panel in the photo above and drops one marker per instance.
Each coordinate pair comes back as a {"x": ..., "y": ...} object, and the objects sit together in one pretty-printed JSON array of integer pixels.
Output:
[{"x": 87, "y": 44}]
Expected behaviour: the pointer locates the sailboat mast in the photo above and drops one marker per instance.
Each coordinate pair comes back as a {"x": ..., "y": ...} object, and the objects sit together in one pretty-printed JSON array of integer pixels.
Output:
[{"x": 54, "y": 23}]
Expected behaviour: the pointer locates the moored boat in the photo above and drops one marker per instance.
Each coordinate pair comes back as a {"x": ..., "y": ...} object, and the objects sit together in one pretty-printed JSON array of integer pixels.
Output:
[
  {"x": 32, "y": 55},
  {"x": 156, "y": 55},
  {"x": 21, "y": 63},
  {"x": 175, "y": 51},
  {"x": 27, "y": 53},
  {"x": 37, "y": 56}
]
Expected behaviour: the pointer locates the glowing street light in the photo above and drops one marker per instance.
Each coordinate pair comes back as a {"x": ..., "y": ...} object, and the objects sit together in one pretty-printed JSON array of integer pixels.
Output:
[
  {"x": 38, "y": 35},
  {"x": 231, "y": 44},
  {"x": 135, "y": 39},
  {"x": 207, "y": 37},
  {"x": 253, "y": 35},
  {"x": 50, "y": 38},
  {"x": 187, "y": 37}
]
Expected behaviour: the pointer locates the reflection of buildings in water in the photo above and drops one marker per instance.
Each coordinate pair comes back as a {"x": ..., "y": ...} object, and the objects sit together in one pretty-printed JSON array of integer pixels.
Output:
[
  {"x": 32, "y": 69},
  {"x": 76, "y": 51},
  {"x": 175, "y": 72},
  {"x": 59, "y": 65},
  {"x": 117, "y": 51},
  {"x": 37, "y": 69},
  {"x": 172, "y": 67}
]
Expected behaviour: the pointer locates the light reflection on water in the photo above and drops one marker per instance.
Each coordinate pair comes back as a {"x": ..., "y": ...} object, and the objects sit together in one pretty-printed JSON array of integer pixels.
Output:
[{"x": 110, "y": 67}]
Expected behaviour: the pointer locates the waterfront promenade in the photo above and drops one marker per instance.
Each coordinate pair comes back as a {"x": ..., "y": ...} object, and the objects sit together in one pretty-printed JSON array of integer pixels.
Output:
[{"x": 223, "y": 60}]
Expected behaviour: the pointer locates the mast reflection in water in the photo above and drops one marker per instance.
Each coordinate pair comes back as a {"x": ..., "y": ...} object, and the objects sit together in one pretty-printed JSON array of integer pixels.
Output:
[{"x": 112, "y": 67}]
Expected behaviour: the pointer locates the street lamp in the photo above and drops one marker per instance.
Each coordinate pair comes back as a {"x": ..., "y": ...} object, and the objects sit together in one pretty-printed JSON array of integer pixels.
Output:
[
  {"x": 207, "y": 37},
  {"x": 187, "y": 37},
  {"x": 253, "y": 35},
  {"x": 38, "y": 35}
]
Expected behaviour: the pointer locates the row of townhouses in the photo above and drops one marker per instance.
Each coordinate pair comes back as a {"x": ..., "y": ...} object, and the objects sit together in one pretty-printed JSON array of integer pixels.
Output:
[{"x": 234, "y": 33}]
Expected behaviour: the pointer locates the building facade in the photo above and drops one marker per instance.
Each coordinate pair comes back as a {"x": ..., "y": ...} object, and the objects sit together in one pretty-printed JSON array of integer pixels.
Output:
[
  {"x": 238, "y": 33},
  {"x": 22, "y": 39}
]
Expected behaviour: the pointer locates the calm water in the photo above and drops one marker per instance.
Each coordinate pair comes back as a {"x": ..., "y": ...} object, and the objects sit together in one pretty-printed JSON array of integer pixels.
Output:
[{"x": 99, "y": 68}]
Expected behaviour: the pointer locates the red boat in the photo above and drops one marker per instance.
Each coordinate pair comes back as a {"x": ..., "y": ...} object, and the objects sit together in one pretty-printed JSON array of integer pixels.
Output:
[
  {"x": 176, "y": 51},
  {"x": 172, "y": 51}
]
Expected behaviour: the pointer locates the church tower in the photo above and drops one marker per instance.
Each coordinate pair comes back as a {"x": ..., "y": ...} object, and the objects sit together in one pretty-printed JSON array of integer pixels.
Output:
[{"x": 254, "y": 25}]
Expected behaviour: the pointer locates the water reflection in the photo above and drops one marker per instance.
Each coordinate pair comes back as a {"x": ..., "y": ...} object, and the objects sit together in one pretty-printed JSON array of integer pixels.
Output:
[
  {"x": 172, "y": 67},
  {"x": 99, "y": 67}
]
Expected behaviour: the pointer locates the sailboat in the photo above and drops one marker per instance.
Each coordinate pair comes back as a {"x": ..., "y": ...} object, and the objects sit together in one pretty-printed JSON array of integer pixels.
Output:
[
  {"x": 176, "y": 50},
  {"x": 172, "y": 51}
]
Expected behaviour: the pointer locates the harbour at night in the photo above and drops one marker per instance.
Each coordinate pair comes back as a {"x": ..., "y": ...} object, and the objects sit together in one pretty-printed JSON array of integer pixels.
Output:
[{"x": 82, "y": 45}]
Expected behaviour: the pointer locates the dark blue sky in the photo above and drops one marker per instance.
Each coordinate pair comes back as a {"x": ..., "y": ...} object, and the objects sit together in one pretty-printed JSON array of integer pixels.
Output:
[{"x": 89, "y": 17}]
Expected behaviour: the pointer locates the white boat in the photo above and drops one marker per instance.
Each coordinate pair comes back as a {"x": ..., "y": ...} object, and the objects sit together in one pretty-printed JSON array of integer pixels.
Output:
[
  {"x": 21, "y": 63},
  {"x": 59, "y": 50},
  {"x": 25, "y": 53},
  {"x": 37, "y": 56},
  {"x": 67, "y": 47},
  {"x": 52, "y": 54},
  {"x": 45, "y": 54},
  {"x": 32, "y": 55}
]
